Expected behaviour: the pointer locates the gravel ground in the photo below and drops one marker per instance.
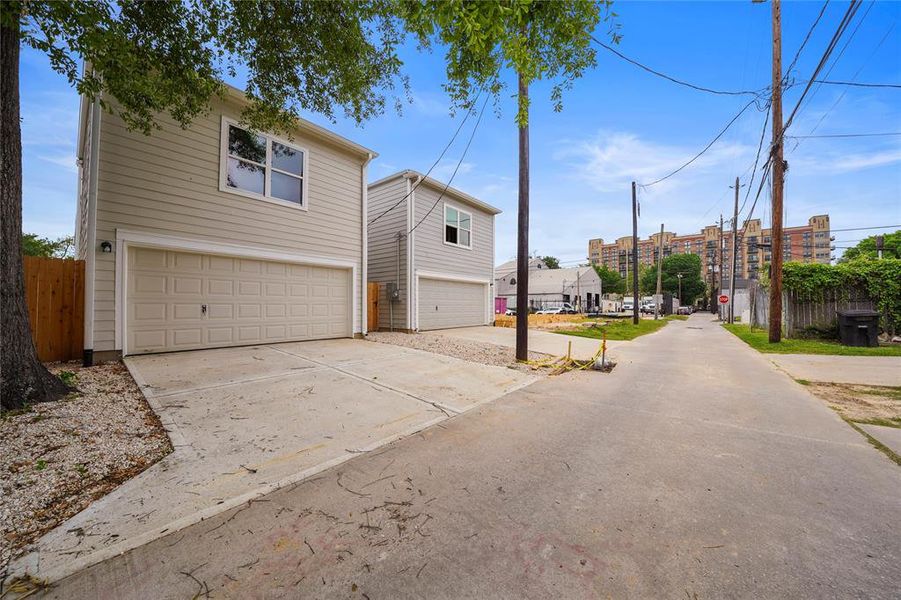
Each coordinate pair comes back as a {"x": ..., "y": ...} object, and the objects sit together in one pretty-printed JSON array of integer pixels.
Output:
[
  {"x": 58, "y": 457},
  {"x": 483, "y": 353}
]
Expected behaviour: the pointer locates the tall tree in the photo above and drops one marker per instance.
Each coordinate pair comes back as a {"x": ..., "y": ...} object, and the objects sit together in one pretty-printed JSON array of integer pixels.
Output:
[
  {"x": 611, "y": 281},
  {"x": 149, "y": 58},
  {"x": 692, "y": 284},
  {"x": 531, "y": 40},
  {"x": 891, "y": 247}
]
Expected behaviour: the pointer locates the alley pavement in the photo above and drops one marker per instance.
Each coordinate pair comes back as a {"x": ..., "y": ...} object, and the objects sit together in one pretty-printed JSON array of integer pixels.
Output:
[{"x": 696, "y": 469}]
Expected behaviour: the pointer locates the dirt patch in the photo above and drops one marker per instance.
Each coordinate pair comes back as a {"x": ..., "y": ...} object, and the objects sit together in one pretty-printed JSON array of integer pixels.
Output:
[
  {"x": 876, "y": 405},
  {"x": 479, "y": 352},
  {"x": 58, "y": 457}
]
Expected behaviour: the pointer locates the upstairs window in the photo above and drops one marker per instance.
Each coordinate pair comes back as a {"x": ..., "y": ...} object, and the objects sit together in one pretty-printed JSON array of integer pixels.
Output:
[
  {"x": 262, "y": 166},
  {"x": 457, "y": 227}
]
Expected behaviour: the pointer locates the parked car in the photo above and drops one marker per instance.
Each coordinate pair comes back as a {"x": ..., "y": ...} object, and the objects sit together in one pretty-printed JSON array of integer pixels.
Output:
[
  {"x": 565, "y": 309},
  {"x": 648, "y": 308},
  {"x": 684, "y": 310},
  {"x": 510, "y": 312}
]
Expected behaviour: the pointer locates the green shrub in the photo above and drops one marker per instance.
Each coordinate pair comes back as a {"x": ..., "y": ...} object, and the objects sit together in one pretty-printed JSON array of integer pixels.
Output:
[{"x": 879, "y": 279}]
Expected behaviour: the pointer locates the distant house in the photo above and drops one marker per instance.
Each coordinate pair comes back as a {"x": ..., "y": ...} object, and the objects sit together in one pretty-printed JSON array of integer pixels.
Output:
[
  {"x": 550, "y": 288},
  {"x": 436, "y": 245},
  {"x": 505, "y": 280}
]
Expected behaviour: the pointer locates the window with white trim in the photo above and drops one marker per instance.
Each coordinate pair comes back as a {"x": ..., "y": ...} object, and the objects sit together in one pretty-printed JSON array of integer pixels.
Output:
[
  {"x": 457, "y": 227},
  {"x": 260, "y": 165}
]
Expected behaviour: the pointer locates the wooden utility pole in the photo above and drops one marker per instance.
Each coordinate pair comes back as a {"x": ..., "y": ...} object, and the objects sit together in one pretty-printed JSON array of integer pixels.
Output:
[
  {"x": 714, "y": 290},
  {"x": 778, "y": 179},
  {"x": 734, "y": 253},
  {"x": 522, "y": 246},
  {"x": 634, "y": 256},
  {"x": 657, "y": 297},
  {"x": 719, "y": 284}
]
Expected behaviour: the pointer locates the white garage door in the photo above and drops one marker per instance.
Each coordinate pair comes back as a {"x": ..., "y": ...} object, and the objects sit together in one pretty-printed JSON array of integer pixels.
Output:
[
  {"x": 444, "y": 304},
  {"x": 183, "y": 301}
]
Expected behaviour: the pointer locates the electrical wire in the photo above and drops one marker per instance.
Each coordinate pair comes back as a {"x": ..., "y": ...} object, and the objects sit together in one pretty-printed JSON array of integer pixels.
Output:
[
  {"x": 457, "y": 168},
  {"x": 693, "y": 86},
  {"x": 804, "y": 43},
  {"x": 858, "y": 84},
  {"x": 842, "y": 135},
  {"x": 830, "y": 48},
  {"x": 865, "y": 228},
  {"x": 766, "y": 122},
  {"x": 705, "y": 149},
  {"x": 434, "y": 164}
]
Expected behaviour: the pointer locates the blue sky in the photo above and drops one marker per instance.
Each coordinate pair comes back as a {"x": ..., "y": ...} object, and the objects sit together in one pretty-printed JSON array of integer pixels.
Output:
[{"x": 619, "y": 123}]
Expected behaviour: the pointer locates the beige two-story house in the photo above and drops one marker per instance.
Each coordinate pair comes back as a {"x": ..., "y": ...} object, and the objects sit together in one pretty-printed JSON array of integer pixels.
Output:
[
  {"x": 434, "y": 245},
  {"x": 216, "y": 236}
]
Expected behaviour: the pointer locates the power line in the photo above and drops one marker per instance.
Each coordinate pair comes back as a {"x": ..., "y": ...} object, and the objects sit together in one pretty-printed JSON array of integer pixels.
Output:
[
  {"x": 804, "y": 43},
  {"x": 700, "y": 88},
  {"x": 705, "y": 149},
  {"x": 756, "y": 162},
  {"x": 434, "y": 164},
  {"x": 830, "y": 48},
  {"x": 858, "y": 84},
  {"x": 843, "y": 135},
  {"x": 865, "y": 228},
  {"x": 457, "y": 168}
]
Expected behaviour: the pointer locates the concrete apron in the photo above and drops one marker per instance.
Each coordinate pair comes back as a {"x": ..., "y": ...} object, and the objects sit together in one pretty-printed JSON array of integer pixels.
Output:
[{"x": 247, "y": 421}]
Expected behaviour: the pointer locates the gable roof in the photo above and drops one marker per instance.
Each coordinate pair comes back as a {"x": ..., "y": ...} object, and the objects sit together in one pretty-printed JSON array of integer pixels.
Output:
[{"x": 439, "y": 186}]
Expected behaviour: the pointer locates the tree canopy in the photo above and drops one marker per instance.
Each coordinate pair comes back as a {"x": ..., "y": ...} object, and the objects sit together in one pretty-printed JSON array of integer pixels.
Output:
[
  {"x": 611, "y": 281},
  {"x": 171, "y": 57},
  {"x": 33, "y": 245},
  {"x": 538, "y": 40},
  {"x": 891, "y": 247},
  {"x": 552, "y": 262},
  {"x": 689, "y": 265}
]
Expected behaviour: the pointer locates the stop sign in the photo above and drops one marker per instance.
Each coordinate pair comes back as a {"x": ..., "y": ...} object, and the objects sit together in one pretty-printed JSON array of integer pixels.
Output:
[{"x": 724, "y": 299}]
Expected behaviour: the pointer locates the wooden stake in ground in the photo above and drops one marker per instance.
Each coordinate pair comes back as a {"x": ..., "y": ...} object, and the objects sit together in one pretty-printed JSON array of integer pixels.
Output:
[
  {"x": 775, "y": 332},
  {"x": 522, "y": 246}
]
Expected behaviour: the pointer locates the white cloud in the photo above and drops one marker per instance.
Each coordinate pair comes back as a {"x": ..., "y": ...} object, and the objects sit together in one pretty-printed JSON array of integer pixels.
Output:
[
  {"x": 430, "y": 105},
  {"x": 609, "y": 161}
]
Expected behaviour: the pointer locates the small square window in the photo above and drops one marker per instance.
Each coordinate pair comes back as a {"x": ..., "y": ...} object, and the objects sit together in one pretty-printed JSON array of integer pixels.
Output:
[{"x": 457, "y": 227}]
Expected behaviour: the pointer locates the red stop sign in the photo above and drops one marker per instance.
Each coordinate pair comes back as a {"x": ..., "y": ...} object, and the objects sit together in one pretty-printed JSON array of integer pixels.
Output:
[{"x": 724, "y": 299}]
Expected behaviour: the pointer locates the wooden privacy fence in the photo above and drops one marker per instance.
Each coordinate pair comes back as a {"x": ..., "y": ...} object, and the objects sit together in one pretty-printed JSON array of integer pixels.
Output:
[
  {"x": 54, "y": 291},
  {"x": 800, "y": 312},
  {"x": 372, "y": 311}
]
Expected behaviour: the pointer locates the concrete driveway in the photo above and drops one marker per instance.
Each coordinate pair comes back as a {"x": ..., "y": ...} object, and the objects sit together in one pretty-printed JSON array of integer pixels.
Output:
[
  {"x": 539, "y": 341},
  {"x": 247, "y": 421},
  {"x": 864, "y": 370}
]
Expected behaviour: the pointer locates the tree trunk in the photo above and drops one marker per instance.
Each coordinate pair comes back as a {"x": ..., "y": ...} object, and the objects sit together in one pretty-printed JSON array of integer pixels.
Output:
[{"x": 23, "y": 378}]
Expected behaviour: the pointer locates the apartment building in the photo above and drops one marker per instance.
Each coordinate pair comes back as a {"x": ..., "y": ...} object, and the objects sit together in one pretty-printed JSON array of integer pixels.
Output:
[{"x": 804, "y": 243}]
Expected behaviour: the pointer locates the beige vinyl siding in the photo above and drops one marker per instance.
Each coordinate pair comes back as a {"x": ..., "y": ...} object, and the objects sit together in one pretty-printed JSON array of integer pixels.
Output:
[
  {"x": 168, "y": 183},
  {"x": 444, "y": 304},
  {"x": 383, "y": 247},
  {"x": 430, "y": 253}
]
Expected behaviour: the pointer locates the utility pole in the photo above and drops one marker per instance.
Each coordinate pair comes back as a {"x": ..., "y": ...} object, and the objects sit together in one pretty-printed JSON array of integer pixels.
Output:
[
  {"x": 634, "y": 256},
  {"x": 657, "y": 297},
  {"x": 734, "y": 253},
  {"x": 522, "y": 246},
  {"x": 714, "y": 290},
  {"x": 778, "y": 180},
  {"x": 719, "y": 284}
]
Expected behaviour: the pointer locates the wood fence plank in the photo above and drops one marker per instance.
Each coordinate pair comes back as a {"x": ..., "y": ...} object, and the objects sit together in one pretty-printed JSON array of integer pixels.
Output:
[{"x": 54, "y": 293}]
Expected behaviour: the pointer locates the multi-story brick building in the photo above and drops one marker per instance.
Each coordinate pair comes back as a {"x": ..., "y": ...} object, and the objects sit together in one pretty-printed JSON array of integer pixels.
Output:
[{"x": 806, "y": 243}]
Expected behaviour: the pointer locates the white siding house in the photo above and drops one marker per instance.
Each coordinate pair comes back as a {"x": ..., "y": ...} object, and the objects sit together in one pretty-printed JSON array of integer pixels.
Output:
[
  {"x": 436, "y": 244},
  {"x": 215, "y": 236},
  {"x": 550, "y": 288}
]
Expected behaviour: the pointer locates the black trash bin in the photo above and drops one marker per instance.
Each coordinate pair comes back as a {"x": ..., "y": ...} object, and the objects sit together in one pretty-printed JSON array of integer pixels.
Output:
[{"x": 858, "y": 327}]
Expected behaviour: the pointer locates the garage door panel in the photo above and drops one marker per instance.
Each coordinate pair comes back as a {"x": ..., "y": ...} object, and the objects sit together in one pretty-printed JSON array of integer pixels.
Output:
[
  {"x": 444, "y": 304},
  {"x": 248, "y": 301}
]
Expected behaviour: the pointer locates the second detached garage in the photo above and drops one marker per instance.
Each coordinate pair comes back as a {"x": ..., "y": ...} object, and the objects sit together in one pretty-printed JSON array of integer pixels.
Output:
[{"x": 431, "y": 250}]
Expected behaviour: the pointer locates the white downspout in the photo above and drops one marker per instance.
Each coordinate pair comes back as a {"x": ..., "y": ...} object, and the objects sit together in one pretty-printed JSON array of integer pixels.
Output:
[
  {"x": 364, "y": 270},
  {"x": 91, "y": 242},
  {"x": 412, "y": 281}
]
